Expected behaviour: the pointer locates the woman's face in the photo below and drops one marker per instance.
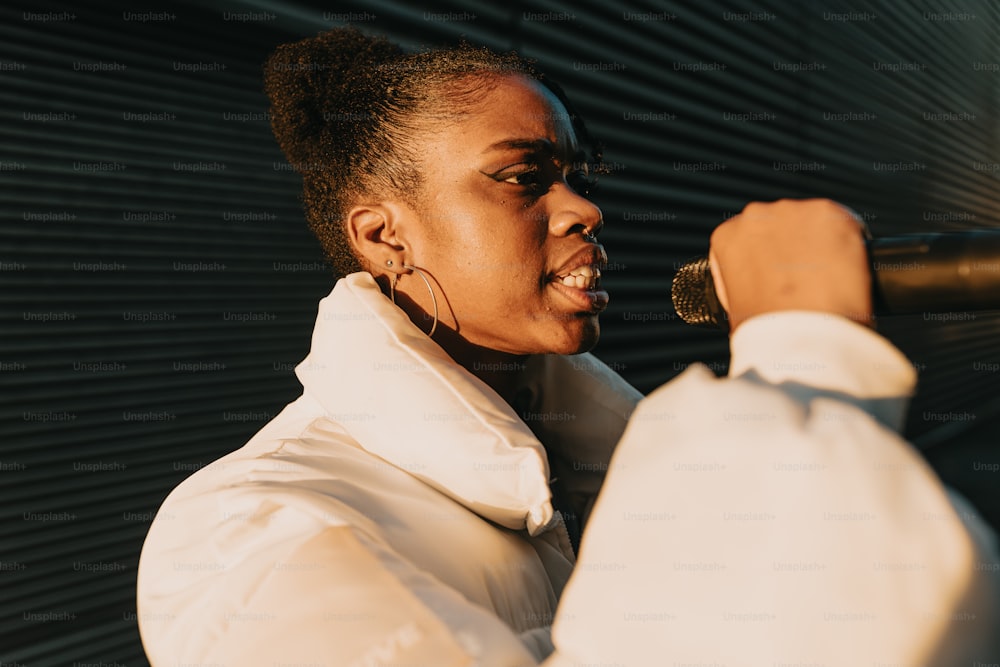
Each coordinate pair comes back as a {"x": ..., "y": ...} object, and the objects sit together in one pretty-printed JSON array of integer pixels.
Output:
[{"x": 500, "y": 229}]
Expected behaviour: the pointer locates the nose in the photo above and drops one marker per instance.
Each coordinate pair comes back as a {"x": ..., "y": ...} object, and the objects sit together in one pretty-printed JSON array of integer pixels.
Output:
[{"x": 572, "y": 213}]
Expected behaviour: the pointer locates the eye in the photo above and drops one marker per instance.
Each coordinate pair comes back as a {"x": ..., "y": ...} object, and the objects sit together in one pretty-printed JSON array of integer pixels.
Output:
[{"x": 531, "y": 178}]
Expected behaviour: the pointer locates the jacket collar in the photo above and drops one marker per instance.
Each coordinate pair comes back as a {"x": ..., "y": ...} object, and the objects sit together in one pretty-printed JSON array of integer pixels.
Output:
[{"x": 402, "y": 398}]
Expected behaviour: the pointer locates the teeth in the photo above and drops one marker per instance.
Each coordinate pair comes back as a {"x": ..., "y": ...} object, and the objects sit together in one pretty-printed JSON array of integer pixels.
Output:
[
  {"x": 579, "y": 282},
  {"x": 584, "y": 277}
]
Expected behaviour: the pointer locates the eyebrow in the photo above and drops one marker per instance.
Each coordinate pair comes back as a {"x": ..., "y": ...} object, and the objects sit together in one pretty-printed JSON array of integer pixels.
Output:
[
  {"x": 538, "y": 145},
  {"x": 543, "y": 146}
]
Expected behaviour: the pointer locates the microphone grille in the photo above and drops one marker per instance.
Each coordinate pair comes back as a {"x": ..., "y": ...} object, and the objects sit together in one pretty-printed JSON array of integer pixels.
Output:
[{"x": 689, "y": 293}]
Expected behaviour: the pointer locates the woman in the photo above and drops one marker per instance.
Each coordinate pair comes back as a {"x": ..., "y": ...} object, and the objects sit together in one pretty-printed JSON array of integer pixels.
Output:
[{"x": 419, "y": 503}]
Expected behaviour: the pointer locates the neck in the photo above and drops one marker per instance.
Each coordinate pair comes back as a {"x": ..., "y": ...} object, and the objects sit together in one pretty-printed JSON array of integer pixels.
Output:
[{"x": 499, "y": 370}]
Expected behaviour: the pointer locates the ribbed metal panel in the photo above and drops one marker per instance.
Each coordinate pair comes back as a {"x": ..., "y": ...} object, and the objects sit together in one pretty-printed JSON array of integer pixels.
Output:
[
  {"x": 151, "y": 310},
  {"x": 158, "y": 284}
]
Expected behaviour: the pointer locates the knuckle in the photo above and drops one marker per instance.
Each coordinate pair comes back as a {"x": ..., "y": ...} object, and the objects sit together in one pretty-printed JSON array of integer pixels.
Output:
[
  {"x": 720, "y": 235},
  {"x": 717, "y": 234}
]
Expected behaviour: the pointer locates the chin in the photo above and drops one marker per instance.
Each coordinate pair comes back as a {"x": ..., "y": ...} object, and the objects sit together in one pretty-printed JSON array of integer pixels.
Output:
[{"x": 581, "y": 336}]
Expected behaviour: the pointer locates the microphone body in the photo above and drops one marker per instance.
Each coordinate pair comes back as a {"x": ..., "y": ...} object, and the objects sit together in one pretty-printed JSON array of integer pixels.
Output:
[{"x": 912, "y": 273}]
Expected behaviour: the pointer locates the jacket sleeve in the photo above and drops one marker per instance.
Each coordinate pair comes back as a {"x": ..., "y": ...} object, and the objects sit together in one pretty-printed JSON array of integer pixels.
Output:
[
  {"x": 335, "y": 598},
  {"x": 776, "y": 517}
]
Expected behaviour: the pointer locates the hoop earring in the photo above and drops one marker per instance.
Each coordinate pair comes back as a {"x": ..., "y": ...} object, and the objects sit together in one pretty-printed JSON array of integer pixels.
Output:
[{"x": 392, "y": 293}]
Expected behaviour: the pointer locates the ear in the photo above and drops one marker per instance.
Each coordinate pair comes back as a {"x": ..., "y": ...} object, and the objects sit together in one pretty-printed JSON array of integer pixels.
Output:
[{"x": 377, "y": 233}]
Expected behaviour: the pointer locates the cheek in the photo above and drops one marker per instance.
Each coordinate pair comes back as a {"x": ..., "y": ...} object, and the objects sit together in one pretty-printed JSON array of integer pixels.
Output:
[
  {"x": 461, "y": 213},
  {"x": 451, "y": 236},
  {"x": 483, "y": 245},
  {"x": 491, "y": 243}
]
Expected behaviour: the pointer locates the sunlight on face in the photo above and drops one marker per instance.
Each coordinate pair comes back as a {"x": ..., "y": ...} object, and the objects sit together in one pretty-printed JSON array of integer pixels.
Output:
[{"x": 501, "y": 225}]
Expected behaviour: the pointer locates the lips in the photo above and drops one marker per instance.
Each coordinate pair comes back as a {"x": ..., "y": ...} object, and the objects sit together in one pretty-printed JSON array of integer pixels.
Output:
[
  {"x": 579, "y": 278},
  {"x": 583, "y": 277},
  {"x": 592, "y": 256}
]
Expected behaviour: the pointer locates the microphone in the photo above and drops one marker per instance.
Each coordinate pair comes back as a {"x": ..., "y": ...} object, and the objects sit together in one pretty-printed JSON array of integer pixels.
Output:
[{"x": 912, "y": 273}]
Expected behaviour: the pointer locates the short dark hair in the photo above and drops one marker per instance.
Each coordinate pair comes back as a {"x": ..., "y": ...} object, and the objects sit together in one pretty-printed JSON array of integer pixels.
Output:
[{"x": 346, "y": 107}]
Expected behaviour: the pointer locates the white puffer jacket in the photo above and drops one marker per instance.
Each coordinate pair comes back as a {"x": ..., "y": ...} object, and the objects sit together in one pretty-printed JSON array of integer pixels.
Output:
[{"x": 399, "y": 512}]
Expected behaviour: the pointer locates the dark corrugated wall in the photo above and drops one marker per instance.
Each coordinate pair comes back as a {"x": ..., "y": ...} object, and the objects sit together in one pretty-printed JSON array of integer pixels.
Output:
[{"x": 158, "y": 284}]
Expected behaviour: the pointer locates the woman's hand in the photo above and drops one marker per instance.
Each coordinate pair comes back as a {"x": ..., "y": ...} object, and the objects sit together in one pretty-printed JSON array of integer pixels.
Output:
[{"x": 792, "y": 255}]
